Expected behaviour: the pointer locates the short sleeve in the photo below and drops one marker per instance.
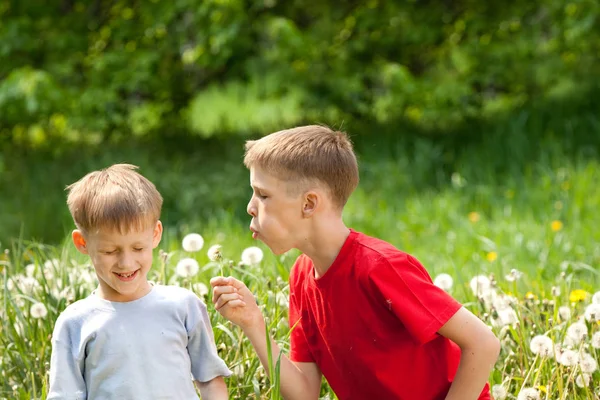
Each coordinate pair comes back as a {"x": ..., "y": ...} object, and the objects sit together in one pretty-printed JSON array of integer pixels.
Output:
[
  {"x": 205, "y": 361},
  {"x": 66, "y": 370},
  {"x": 408, "y": 291},
  {"x": 299, "y": 350}
]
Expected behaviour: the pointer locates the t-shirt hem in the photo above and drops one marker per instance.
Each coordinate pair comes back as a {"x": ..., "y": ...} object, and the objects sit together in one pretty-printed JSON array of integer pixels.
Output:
[{"x": 439, "y": 321}]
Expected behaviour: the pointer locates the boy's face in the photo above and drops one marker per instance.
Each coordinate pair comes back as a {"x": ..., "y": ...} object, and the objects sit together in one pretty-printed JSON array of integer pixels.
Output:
[
  {"x": 121, "y": 261},
  {"x": 277, "y": 217}
]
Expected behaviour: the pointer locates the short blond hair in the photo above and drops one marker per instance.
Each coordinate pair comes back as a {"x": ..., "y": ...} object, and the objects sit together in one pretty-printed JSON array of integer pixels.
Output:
[
  {"x": 114, "y": 198},
  {"x": 308, "y": 153}
]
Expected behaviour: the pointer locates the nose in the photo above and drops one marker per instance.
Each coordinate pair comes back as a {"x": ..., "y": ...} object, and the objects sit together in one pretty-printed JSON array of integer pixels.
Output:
[
  {"x": 126, "y": 260},
  {"x": 251, "y": 208}
]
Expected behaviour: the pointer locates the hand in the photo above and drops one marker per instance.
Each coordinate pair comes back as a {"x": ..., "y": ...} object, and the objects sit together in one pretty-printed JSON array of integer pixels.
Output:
[{"x": 234, "y": 301}]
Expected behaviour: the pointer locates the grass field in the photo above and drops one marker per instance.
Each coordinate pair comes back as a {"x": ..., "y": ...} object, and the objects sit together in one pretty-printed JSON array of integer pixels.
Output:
[{"x": 521, "y": 218}]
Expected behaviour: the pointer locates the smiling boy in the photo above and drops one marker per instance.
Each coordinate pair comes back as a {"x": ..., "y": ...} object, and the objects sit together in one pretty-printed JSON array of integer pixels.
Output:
[
  {"x": 129, "y": 339},
  {"x": 363, "y": 313}
]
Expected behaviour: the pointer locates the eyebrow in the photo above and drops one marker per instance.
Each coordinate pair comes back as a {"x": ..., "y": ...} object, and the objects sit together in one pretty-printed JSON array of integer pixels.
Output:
[{"x": 258, "y": 188}]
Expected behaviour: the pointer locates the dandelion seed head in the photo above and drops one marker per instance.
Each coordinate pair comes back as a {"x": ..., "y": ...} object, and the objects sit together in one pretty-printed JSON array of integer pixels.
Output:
[
  {"x": 499, "y": 392},
  {"x": 528, "y": 394},
  {"x": 582, "y": 380},
  {"x": 252, "y": 255},
  {"x": 506, "y": 316},
  {"x": 214, "y": 253},
  {"x": 514, "y": 275},
  {"x": 30, "y": 270},
  {"x": 38, "y": 310},
  {"x": 577, "y": 331},
  {"x": 200, "y": 288},
  {"x": 542, "y": 345},
  {"x": 480, "y": 284},
  {"x": 596, "y": 340},
  {"x": 568, "y": 358},
  {"x": 187, "y": 267},
  {"x": 592, "y": 312},
  {"x": 564, "y": 312},
  {"x": 596, "y": 298},
  {"x": 192, "y": 242},
  {"x": 444, "y": 282},
  {"x": 587, "y": 363},
  {"x": 281, "y": 299}
]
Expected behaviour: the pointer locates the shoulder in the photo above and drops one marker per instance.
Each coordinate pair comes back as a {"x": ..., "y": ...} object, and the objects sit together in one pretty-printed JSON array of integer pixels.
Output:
[
  {"x": 74, "y": 316},
  {"x": 177, "y": 295},
  {"x": 302, "y": 267},
  {"x": 375, "y": 255}
]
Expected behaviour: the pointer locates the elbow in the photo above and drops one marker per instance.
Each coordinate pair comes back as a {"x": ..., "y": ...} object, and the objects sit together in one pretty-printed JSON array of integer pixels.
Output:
[{"x": 492, "y": 348}]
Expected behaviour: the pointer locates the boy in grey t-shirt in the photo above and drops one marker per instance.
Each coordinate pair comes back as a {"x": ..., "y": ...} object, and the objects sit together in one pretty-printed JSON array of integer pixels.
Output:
[{"x": 129, "y": 339}]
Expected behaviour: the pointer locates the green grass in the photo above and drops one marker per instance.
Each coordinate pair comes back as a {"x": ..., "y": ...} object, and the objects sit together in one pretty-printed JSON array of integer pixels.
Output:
[{"x": 506, "y": 200}]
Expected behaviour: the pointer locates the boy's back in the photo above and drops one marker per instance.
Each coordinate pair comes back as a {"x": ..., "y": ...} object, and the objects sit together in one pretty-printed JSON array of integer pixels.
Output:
[
  {"x": 138, "y": 349},
  {"x": 371, "y": 323}
]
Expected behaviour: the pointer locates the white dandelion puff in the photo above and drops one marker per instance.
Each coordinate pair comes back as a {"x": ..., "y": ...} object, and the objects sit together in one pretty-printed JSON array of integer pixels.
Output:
[
  {"x": 582, "y": 380},
  {"x": 499, "y": 392},
  {"x": 568, "y": 358},
  {"x": 252, "y": 255},
  {"x": 30, "y": 270},
  {"x": 528, "y": 394},
  {"x": 564, "y": 312},
  {"x": 214, "y": 253},
  {"x": 542, "y": 345},
  {"x": 506, "y": 316},
  {"x": 444, "y": 282},
  {"x": 281, "y": 299},
  {"x": 514, "y": 275},
  {"x": 192, "y": 242},
  {"x": 479, "y": 284},
  {"x": 592, "y": 312},
  {"x": 200, "y": 288},
  {"x": 596, "y": 340},
  {"x": 187, "y": 267},
  {"x": 38, "y": 310},
  {"x": 555, "y": 291},
  {"x": 577, "y": 331},
  {"x": 238, "y": 370},
  {"x": 502, "y": 302},
  {"x": 596, "y": 298},
  {"x": 587, "y": 363}
]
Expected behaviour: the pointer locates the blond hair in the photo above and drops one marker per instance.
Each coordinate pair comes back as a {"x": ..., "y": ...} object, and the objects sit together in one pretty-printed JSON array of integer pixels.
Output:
[
  {"x": 307, "y": 154},
  {"x": 114, "y": 198}
]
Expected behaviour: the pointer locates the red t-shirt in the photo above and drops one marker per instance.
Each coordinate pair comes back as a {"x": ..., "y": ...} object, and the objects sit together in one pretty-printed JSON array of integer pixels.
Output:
[{"x": 370, "y": 323}]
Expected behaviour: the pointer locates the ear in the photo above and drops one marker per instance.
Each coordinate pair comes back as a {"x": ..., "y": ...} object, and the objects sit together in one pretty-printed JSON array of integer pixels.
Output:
[
  {"x": 158, "y": 230},
  {"x": 79, "y": 241},
  {"x": 310, "y": 203}
]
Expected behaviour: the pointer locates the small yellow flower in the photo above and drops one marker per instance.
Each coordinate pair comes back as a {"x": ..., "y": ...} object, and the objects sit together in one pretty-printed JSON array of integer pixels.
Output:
[
  {"x": 578, "y": 295},
  {"x": 556, "y": 225},
  {"x": 474, "y": 216},
  {"x": 542, "y": 389},
  {"x": 530, "y": 296},
  {"x": 492, "y": 256}
]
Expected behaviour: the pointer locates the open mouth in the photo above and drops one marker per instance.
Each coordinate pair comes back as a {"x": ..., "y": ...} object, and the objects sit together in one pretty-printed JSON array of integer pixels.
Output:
[{"x": 129, "y": 276}]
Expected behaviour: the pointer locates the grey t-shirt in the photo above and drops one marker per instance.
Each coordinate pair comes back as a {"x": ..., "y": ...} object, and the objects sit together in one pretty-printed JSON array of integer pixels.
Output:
[{"x": 149, "y": 348}]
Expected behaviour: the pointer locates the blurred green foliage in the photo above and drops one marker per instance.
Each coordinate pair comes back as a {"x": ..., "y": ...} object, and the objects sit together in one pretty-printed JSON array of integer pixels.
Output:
[{"x": 101, "y": 70}]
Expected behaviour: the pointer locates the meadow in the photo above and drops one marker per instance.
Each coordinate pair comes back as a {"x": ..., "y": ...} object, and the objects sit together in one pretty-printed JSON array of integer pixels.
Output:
[{"x": 508, "y": 226}]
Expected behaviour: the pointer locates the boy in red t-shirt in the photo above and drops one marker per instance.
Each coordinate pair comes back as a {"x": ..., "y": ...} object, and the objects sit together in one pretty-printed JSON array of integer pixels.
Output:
[{"x": 364, "y": 314}]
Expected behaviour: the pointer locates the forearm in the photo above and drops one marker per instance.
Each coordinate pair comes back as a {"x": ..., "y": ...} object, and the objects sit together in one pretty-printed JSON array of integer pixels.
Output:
[
  {"x": 215, "y": 389},
  {"x": 473, "y": 373},
  {"x": 293, "y": 382}
]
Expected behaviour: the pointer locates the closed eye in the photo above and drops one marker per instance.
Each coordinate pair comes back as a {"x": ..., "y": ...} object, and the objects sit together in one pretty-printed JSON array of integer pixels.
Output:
[{"x": 138, "y": 249}]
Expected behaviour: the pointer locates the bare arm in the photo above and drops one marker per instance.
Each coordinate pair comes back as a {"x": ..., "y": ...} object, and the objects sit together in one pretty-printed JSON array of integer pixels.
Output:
[
  {"x": 479, "y": 352},
  {"x": 235, "y": 302},
  {"x": 215, "y": 389}
]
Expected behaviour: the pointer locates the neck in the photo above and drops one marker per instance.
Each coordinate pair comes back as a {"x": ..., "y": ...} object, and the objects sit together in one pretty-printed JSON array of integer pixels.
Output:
[{"x": 325, "y": 244}]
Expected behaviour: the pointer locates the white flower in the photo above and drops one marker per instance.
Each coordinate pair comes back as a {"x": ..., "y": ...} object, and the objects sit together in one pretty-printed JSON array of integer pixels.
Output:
[
  {"x": 252, "y": 255},
  {"x": 27, "y": 284},
  {"x": 480, "y": 284},
  {"x": 281, "y": 299},
  {"x": 555, "y": 291},
  {"x": 187, "y": 267},
  {"x": 200, "y": 288},
  {"x": 513, "y": 275},
  {"x": 528, "y": 394},
  {"x": 568, "y": 358},
  {"x": 499, "y": 392},
  {"x": 30, "y": 270},
  {"x": 238, "y": 370},
  {"x": 192, "y": 242},
  {"x": 577, "y": 332},
  {"x": 587, "y": 363},
  {"x": 214, "y": 253},
  {"x": 443, "y": 281},
  {"x": 592, "y": 312},
  {"x": 564, "y": 312},
  {"x": 582, "y": 380},
  {"x": 596, "y": 340},
  {"x": 488, "y": 296},
  {"x": 503, "y": 301},
  {"x": 542, "y": 345},
  {"x": 506, "y": 316},
  {"x": 38, "y": 310},
  {"x": 596, "y": 298}
]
